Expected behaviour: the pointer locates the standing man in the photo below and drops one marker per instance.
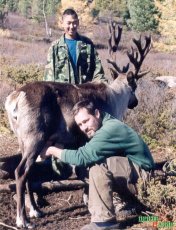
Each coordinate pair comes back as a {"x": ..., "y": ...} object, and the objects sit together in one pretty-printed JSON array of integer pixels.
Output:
[
  {"x": 73, "y": 58},
  {"x": 116, "y": 157}
]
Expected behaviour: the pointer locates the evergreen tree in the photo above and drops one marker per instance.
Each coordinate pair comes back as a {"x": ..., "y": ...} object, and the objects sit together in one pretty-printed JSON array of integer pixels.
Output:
[
  {"x": 3, "y": 12},
  {"x": 143, "y": 15},
  {"x": 114, "y": 7},
  {"x": 52, "y": 6},
  {"x": 24, "y": 7},
  {"x": 12, "y": 5},
  {"x": 36, "y": 10}
]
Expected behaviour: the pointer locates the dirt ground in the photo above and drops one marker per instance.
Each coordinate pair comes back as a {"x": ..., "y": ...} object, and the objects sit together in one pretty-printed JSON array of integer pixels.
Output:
[{"x": 62, "y": 210}]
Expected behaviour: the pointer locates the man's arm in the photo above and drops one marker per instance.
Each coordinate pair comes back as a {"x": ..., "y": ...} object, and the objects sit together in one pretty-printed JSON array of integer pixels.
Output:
[
  {"x": 96, "y": 150},
  {"x": 98, "y": 74},
  {"x": 49, "y": 68}
]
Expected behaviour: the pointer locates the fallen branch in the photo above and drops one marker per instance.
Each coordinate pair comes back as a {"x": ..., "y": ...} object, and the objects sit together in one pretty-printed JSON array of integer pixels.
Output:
[
  {"x": 68, "y": 200},
  {"x": 46, "y": 186},
  {"x": 73, "y": 207},
  {"x": 78, "y": 218},
  {"x": 8, "y": 226}
]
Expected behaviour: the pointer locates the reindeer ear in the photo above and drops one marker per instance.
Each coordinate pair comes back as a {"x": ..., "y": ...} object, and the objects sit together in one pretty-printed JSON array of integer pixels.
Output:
[
  {"x": 130, "y": 76},
  {"x": 125, "y": 68}
]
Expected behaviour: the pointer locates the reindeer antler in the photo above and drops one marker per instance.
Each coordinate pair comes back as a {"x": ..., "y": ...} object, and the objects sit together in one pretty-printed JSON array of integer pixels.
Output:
[
  {"x": 114, "y": 64},
  {"x": 137, "y": 57},
  {"x": 113, "y": 40},
  {"x": 113, "y": 43}
]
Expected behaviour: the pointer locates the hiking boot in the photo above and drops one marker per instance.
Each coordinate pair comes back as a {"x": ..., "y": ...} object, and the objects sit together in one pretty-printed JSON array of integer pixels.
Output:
[
  {"x": 124, "y": 209},
  {"x": 101, "y": 226}
]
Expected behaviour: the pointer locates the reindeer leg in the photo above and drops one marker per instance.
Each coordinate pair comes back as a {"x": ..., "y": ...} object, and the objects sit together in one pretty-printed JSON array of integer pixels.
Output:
[
  {"x": 34, "y": 211},
  {"x": 20, "y": 175}
]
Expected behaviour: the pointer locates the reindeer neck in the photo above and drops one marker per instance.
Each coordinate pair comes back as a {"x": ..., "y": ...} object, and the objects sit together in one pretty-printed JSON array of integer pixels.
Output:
[{"x": 119, "y": 91}]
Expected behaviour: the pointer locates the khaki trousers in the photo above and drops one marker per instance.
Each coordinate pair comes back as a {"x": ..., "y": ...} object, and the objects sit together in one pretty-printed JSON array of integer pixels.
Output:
[{"x": 116, "y": 174}]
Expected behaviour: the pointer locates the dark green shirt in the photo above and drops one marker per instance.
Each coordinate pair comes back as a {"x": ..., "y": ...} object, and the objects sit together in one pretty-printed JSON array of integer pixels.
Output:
[{"x": 112, "y": 139}]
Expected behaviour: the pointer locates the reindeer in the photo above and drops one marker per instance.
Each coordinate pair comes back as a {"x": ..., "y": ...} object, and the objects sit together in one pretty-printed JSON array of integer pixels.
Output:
[{"x": 41, "y": 111}]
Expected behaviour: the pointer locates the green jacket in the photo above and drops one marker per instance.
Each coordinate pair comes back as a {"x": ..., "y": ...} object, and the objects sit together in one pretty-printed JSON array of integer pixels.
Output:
[
  {"x": 59, "y": 67},
  {"x": 112, "y": 139}
]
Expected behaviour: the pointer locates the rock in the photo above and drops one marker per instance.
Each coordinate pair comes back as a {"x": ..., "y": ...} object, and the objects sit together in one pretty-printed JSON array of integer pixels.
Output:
[{"x": 169, "y": 81}]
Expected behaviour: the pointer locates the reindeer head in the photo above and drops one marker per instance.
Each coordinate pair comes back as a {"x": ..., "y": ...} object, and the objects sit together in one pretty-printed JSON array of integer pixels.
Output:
[{"x": 136, "y": 57}]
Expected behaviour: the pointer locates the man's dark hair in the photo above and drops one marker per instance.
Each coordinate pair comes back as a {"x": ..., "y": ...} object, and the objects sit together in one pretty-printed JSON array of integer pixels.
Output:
[
  {"x": 87, "y": 104},
  {"x": 70, "y": 11}
]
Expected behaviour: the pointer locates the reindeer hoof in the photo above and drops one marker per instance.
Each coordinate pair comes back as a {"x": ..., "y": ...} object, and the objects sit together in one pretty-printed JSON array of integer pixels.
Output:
[
  {"x": 24, "y": 224},
  {"x": 85, "y": 199},
  {"x": 30, "y": 226},
  {"x": 35, "y": 213}
]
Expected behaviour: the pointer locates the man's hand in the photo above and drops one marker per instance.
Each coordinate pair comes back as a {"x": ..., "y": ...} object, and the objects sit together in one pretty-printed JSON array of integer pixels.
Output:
[
  {"x": 54, "y": 151},
  {"x": 49, "y": 150}
]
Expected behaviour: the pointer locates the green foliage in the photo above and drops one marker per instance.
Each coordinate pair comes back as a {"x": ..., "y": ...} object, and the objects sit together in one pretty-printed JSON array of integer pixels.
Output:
[
  {"x": 156, "y": 128},
  {"x": 95, "y": 12},
  {"x": 36, "y": 10},
  {"x": 142, "y": 15},
  {"x": 105, "y": 4},
  {"x": 3, "y": 12},
  {"x": 116, "y": 7},
  {"x": 4, "y": 125},
  {"x": 31, "y": 9},
  {"x": 12, "y": 5},
  {"x": 154, "y": 117},
  {"x": 23, "y": 73},
  {"x": 2, "y": 4},
  {"x": 52, "y": 6},
  {"x": 24, "y": 7},
  {"x": 159, "y": 195}
]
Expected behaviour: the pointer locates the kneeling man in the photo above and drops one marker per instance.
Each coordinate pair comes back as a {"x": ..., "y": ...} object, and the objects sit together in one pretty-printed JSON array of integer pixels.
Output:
[{"x": 116, "y": 156}]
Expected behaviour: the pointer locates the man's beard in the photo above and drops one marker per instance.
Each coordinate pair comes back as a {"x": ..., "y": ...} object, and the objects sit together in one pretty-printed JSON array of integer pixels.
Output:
[{"x": 90, "y": 134}]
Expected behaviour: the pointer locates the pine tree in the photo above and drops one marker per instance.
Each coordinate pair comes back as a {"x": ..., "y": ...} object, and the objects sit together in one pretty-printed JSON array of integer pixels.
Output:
[
  {"x": 52, "y": 6},
  {"x": 143, "y": 15},
  {"x": 12, "y": 5},
  {"x": 36, "y": 10},
  {"x": 24, "y": 7},
  {"x": 113, "y": 7}
]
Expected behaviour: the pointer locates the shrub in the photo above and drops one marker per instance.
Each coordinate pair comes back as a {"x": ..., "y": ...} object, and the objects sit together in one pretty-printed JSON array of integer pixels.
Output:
[
  {"x": 143, "y": 15},
  {"x": 159, "y": 196},
  {"x": 23, "y": 73},
  {"x": 4, "y": 124},
  {"x": 154, "y": 117}
]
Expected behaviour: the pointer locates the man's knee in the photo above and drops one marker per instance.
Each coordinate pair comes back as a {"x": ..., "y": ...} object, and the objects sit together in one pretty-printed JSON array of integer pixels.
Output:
[
  {"x": 100, "y": 173},
  {"x": 119, "y": 166},
  {"x": 95, "y": 171}
]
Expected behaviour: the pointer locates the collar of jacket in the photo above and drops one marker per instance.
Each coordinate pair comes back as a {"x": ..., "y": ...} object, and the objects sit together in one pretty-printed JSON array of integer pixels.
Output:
[
  {"x": 81, "y": 44},
  {"x": 106, "y": 116}
]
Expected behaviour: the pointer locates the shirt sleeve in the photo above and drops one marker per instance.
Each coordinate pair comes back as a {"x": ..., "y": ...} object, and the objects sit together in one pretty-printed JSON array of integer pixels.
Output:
[
  {"x": 97, "y": 149},
  {"x": 49, "y": 68},
  {"x": 99, "y": 74}
]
